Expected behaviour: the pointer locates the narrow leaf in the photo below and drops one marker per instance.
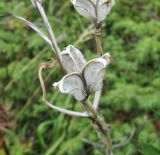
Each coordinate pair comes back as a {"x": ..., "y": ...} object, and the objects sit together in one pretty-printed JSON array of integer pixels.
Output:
[
  {"x": 148, "y": 149},
  {"x": 34, "y": 27}
]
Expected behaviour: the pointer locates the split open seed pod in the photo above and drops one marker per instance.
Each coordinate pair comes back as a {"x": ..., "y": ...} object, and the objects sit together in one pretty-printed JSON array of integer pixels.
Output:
[
  {"x": 93, "y": 9},
  {"x": 85, "y": 79}
]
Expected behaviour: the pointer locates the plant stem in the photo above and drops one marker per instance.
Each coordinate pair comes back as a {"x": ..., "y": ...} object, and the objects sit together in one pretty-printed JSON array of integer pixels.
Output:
[
  {"x": 98, "y": 119},
  {"x": 97, "y": 36},
  {"x": 100, "y": 122},
  {"x": 68, "y": 112},
  {"x": 97, "y": 99}
]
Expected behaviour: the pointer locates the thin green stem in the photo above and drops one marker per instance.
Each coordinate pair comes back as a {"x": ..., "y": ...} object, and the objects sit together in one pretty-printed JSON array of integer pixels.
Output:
[{"x": 100, "y": 122}]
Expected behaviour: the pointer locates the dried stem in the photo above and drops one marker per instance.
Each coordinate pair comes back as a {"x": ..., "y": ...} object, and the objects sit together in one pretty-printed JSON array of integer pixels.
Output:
[
  {"x": 99, "y": 50},
  {"x": 97, "y": 36},
  {"x": 125, "y": 141},
  {"x": 43, "y": 67},
  {"x": 100, "y": 122},
  {"x": 97, "y": 99}
]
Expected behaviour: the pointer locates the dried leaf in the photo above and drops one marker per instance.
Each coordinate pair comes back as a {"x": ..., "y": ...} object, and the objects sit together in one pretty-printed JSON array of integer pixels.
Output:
[
  {"x": 72, "y": 59},
  {"x": 34, "y": 27},
  {"x": 72, "y": 84}
]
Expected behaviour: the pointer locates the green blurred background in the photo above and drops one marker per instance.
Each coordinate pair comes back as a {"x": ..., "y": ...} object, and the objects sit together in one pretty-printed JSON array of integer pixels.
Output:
[{"x": 131, "y": 94}]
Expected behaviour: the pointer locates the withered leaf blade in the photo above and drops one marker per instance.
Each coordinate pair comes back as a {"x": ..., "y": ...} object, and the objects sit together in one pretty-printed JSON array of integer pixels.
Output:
[
  {"x": 72, "y": 59},
  {"x": 72, "y": 84},
  {"x": 34, "y": 27},
  {"x": 94, "y": 71}
]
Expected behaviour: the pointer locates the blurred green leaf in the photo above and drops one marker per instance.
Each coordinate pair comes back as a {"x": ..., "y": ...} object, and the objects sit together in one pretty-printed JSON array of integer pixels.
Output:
[{"x": 148, "y": 149}]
